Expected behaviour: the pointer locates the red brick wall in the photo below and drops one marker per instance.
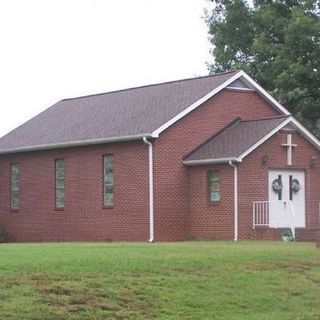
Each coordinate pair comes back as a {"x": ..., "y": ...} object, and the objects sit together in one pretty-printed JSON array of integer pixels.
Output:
[
  {"x": 207, "y": 220},
  {"x": 84, "y": 218},
  {"x": 178, "y": 211},
  {"x": 253, "y": 177},
  {"x": 211, "y": 220},
  {"x": 172, "y": 204}
]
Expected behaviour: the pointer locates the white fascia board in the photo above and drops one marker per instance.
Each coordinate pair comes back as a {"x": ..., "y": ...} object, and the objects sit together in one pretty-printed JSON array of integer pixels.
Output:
[
  {"x": 210, "y": 161},
  {"x": 196, "y": 104},
  {"x": 306, "y": 133},
  {"x": 264, "y": 93},
  {"x": 76, "y": 143},
  {"x": 265, "y": 138},
  {"x": 240, "y": 74}
]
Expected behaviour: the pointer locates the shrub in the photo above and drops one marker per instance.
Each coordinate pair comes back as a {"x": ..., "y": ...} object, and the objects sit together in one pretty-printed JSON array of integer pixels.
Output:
[{"x": 287, "y": 235}]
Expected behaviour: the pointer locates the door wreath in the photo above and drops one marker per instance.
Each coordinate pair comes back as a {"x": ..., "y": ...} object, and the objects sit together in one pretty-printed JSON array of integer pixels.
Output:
[
  {"x": 277, "y": 185},
  {"x": 295, "y": 185}
]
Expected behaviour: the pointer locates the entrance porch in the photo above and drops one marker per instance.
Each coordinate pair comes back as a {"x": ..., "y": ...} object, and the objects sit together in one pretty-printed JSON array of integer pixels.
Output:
[{"x": 270, "y": 219}]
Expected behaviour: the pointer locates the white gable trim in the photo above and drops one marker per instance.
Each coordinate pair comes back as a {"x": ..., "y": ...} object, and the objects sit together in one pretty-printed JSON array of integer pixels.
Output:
[
  {"x": 308, "y": 135},
  {"x": 195, "y": 105},
  {"x": 265, "y": 138},
  {"x": 264, "y": 93},
  {"x": 240, "y": 74}
]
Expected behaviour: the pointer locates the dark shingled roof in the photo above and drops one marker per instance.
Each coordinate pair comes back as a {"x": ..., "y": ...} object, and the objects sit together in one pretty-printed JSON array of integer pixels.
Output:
[
  {"x": 234, "y": 139},
  {"x": 121, "y": 113}
]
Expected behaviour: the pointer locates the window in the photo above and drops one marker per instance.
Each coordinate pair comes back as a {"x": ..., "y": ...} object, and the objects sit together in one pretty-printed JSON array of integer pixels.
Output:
[
  {"x": 60, "y": 188},
  {"x": 214, "y": 186},
  {"x": 108, "y": 180},
  {"x": 15, "y": 185}
]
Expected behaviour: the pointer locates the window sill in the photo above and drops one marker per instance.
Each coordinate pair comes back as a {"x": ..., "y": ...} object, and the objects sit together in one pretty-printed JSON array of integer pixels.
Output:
[
  {"x": 59, "y": 209},
  {"x": 214, "y": 203},
  {"x": 107, "y": 206},
  {"x": 14, "y": 210}
]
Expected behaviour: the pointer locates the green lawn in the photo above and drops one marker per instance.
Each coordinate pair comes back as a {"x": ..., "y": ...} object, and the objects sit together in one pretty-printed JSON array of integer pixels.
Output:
[{"x": 188, "y": 280}]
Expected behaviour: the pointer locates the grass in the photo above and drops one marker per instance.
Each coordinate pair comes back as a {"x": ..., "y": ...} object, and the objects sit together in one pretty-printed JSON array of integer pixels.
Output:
[{"x": 189, "y": 280}]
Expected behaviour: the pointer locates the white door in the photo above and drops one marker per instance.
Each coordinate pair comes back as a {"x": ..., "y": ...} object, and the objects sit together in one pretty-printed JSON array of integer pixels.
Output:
[{"x": 286, "y": 199}]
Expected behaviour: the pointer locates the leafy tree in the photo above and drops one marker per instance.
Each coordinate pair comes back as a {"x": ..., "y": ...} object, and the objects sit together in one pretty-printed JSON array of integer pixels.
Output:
[{"x": 278, "y": 43}]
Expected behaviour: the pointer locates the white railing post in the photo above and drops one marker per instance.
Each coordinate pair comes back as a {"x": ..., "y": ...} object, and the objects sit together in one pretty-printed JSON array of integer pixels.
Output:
[{"x": 253, "y": 215}]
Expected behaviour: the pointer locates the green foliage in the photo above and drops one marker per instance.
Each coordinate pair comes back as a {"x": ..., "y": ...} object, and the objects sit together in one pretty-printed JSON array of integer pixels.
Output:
[
  {"x": 190, "y": 280},
  {"x": 287, "y": 233},
  {"x": 276, "y": 42}
]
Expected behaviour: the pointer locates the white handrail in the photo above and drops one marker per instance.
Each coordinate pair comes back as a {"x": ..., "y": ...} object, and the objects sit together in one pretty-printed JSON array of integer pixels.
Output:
[
  {"x": 319, "y": 214},
  {"x": 292, "y": 225}
]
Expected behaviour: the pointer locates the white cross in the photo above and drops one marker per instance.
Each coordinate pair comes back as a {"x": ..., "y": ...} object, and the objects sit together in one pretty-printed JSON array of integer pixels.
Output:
[{"x": 289, "y": 145}]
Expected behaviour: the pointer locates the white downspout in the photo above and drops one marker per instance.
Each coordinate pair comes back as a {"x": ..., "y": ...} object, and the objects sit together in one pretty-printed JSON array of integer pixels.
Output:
[
  {"x": 151, "y": 219},
  {"x": 235, "y": 199}
]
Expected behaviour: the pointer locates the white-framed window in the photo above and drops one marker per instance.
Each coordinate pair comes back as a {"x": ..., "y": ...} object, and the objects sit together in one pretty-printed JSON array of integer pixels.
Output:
[
  {"x": 15, "y": 185},
  {"x": 214, "y": 186},
  {"x": 60, "y": 183},
  {"x": 108, "y": 181}
]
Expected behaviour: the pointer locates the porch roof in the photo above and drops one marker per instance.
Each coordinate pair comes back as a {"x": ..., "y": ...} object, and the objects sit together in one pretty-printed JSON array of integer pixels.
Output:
[{"x": 235, "y": 140}]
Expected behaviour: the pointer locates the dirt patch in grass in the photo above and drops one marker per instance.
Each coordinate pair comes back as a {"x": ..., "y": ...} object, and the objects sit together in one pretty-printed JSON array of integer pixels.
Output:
[
  {"x": 77, "y": 297},
  {"x": 190, "y": 281},
  {"x": 287, "y": 265}
]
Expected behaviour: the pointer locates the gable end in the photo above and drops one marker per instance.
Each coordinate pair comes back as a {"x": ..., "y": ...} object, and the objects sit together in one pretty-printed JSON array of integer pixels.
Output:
[{"x": 238, "y": 84}]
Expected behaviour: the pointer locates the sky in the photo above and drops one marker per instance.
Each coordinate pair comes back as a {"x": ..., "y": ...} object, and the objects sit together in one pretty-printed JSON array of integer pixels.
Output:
[{"x": 55, "y": 49}]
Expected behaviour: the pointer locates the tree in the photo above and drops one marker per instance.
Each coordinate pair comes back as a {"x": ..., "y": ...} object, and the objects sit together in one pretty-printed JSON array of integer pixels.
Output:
[{"x": 278, "y": 43}]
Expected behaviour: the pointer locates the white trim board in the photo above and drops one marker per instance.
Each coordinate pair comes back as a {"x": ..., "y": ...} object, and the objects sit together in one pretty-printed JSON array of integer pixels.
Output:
[
  {"x": 76, "y": 143},
  {"x": 241, "y": 74},
  {"x": 210, "y": 161},
  {"x": 265, "y": 138},
  {"x": 247, "y": 79},
  {"x": 155, "y": 134},
  {"x": 309, "y": 136}
]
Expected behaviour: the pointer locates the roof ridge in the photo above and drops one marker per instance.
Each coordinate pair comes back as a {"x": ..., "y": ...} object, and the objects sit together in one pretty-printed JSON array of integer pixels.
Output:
[
  {"x": 267, "y": 118},
  {"x": 152, "y": 85},
  {"x": 227, "y": 126}
]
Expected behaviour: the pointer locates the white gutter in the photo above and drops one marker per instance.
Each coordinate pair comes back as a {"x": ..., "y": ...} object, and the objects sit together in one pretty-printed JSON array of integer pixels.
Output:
[
  {"x": 151, "y": 217},
  {"x": 209, "y": 161},
  {"x": 76, "y": 143},
  {"x": 235, "y": 199}
]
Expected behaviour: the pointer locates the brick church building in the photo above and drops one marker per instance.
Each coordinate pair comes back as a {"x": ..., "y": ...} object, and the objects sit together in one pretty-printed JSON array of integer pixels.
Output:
[{"x": 212, "y": 157}]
